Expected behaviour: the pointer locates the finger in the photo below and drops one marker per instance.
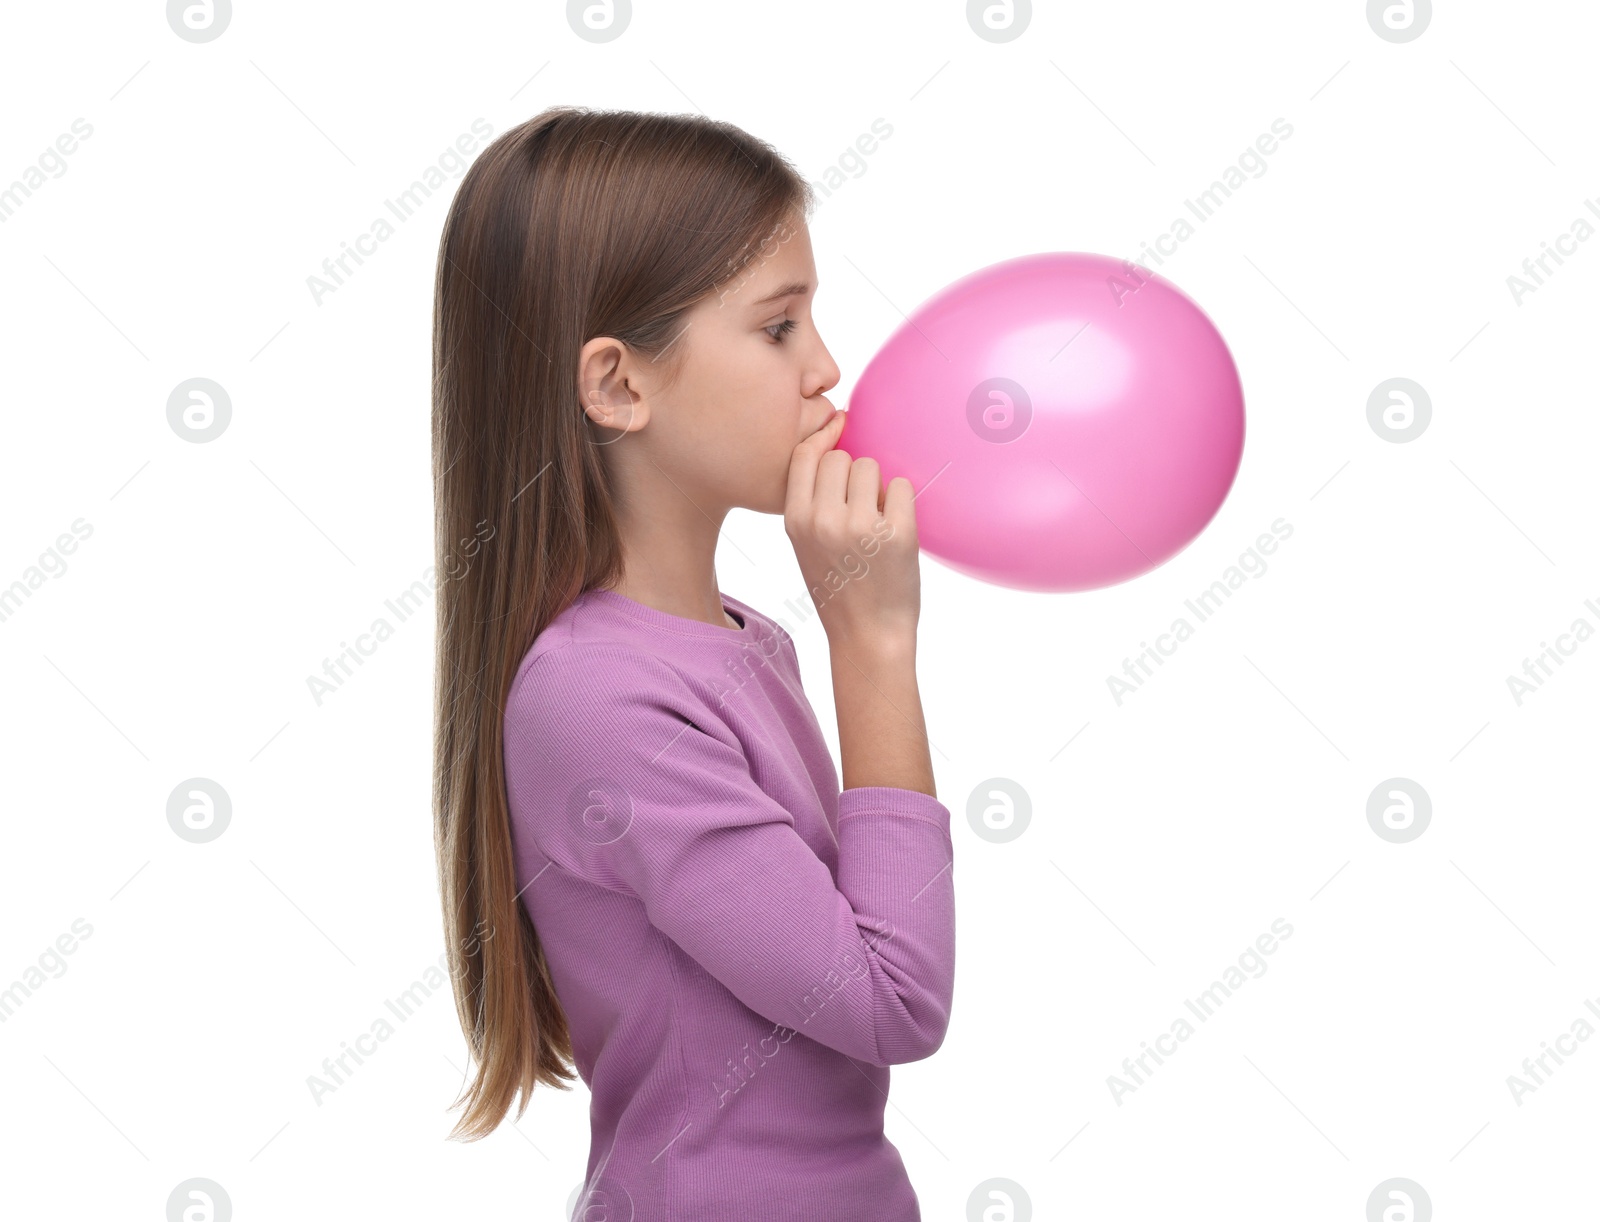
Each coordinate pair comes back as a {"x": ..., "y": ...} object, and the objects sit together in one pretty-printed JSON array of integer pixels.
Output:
[
  {"x": 803, "y": 464},
  {"x": 833, "y": 478},
  {"x": 865, "y": 480},
  {"x": 899, "y": 506}
]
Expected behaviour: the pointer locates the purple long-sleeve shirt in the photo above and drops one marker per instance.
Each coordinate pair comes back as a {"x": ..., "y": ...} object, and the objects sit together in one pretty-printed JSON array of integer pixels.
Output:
[{"x": 741, "y": 949}]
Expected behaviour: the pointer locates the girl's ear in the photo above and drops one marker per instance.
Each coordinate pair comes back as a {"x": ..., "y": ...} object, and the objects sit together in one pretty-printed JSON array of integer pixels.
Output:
[
  {"x": 624, "y": 417},
  {"x": 606, "y": 395}
]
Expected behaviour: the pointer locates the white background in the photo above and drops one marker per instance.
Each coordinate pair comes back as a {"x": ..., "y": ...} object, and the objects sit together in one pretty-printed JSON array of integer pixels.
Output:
[{"x": 1229, "y": 791}]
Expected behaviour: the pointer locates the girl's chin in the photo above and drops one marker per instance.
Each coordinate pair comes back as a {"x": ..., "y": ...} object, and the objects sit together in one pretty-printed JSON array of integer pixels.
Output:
[{"x": 773, "y": 502}]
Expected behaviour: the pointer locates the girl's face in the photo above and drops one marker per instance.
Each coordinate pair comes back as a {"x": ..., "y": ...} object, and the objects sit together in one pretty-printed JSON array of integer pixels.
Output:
[{"x": 751, "y": 387}]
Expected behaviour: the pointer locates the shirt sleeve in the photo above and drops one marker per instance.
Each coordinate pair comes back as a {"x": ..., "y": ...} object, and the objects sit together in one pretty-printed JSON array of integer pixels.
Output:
[{"x": 620, "y": 776}]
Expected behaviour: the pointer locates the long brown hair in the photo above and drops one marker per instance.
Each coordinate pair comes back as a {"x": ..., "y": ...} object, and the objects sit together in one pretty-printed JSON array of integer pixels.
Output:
[{"x": 574, "y": 224}]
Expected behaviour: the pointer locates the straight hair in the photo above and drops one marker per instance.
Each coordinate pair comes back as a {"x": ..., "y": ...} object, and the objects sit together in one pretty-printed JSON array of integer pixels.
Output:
[{"x": 574, "y": 224}]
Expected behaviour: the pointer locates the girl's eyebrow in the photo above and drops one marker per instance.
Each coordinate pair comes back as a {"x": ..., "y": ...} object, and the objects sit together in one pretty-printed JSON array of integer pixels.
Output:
[{"x": 788, "y": 290}]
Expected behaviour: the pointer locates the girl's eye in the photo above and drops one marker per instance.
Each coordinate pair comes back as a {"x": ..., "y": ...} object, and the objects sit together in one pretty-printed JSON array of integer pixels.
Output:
[{"x": 783, "y": 328}]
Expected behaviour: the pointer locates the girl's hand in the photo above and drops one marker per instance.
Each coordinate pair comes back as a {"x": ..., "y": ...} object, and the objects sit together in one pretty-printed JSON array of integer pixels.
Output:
[{"x": 856, "y": 542}]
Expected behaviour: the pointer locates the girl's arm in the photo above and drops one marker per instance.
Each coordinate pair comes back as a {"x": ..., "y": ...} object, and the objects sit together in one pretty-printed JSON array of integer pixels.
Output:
[
  {"x": 622, "y": 777},
  {"x": 856, "y": 541},
  {"x": 882, "y": 739}
]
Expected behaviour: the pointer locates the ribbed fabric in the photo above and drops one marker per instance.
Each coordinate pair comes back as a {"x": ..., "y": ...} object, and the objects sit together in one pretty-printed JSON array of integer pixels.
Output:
[{"x": 741, "y": 949}]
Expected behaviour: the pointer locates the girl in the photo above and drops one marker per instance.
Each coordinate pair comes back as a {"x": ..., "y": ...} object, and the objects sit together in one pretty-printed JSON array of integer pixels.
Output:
[{"x": 648, "y": 867}]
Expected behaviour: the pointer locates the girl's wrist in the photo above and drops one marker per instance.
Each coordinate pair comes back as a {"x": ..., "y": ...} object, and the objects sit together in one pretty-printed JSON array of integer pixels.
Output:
[{"x": 871, "y": 650}]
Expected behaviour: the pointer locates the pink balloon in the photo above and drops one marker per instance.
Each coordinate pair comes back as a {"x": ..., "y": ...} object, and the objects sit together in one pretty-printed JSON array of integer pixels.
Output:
[{"x": 1070, "y": 421}]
